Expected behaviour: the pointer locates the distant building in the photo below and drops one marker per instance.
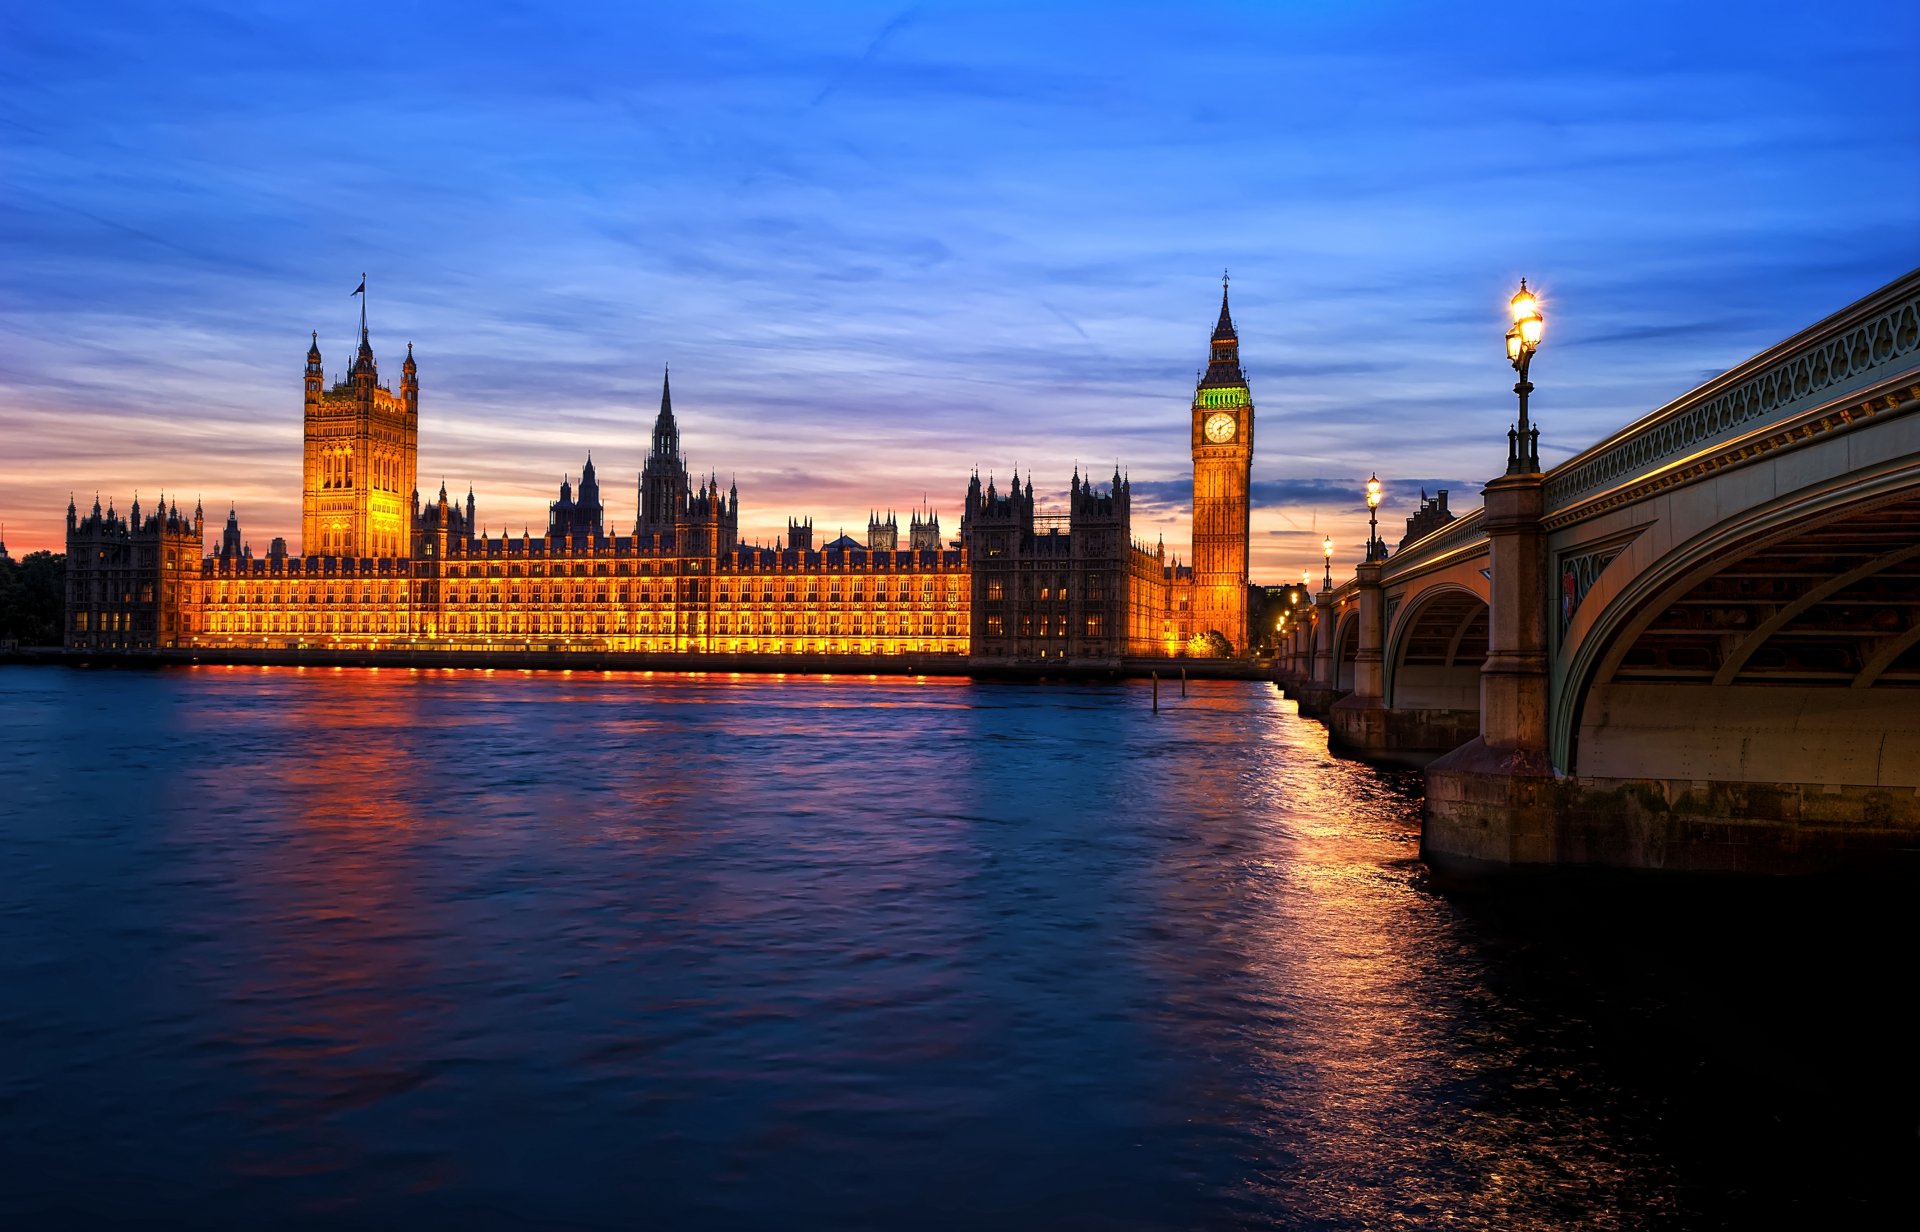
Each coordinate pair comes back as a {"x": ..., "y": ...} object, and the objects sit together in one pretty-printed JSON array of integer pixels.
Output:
[
  {"x": 380, "y": 569},
  {"x": 358, "y": 497},
  {"x": 1072, "y": 586},
  {"x": 133, "y": 582},
  {"x": 1432, "y": 515}
]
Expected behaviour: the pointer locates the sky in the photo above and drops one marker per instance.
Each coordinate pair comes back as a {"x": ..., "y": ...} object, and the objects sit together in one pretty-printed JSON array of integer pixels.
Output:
[{"x": 883, "y": 245}]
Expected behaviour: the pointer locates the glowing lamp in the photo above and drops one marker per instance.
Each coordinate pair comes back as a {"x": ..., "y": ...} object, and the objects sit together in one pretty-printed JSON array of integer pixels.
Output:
[
  {"x": 1524, "y": 306},
  {"x": 1528, "y": 326},
  {"x": 1376, "y": 550},
  {"x": 1523, "y": 338},
  {"x": 1326, "y": 547}
]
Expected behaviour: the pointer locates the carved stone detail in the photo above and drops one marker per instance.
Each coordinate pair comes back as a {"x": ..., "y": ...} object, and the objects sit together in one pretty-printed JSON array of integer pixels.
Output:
[{"x": 1575, "y": 575}]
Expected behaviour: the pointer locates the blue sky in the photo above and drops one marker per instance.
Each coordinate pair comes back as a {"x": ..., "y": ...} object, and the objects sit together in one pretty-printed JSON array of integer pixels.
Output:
[{"x": 882, "y": 244}]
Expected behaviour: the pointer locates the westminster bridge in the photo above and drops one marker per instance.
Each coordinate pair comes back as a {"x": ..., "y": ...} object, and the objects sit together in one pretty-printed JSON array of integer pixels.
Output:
[{"x": 1695, "y": 644}]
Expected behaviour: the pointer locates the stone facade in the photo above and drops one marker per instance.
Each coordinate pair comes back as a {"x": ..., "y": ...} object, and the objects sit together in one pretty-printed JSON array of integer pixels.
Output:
[
  {"x": 361, "y": 454},
  {"x": 1068, "y": 588},
  {"x": 132, "y": 582},
  {"x": 379, "y": 571}
]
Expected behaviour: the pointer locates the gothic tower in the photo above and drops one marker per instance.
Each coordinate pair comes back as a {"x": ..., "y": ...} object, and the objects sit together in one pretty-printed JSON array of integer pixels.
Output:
[
  {"x": 362, "y": 447},
  {"x": 664, "y": 485},
  {"x": 1222, "y": 473}
]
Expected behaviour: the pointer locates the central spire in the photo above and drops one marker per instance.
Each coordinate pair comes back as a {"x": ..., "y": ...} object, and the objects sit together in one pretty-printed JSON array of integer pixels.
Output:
[{"x": 666, "y": 433}]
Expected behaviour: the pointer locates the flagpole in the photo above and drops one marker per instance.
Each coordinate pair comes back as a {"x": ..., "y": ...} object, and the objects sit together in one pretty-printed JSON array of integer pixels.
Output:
[{"x": 363, "y": 305}]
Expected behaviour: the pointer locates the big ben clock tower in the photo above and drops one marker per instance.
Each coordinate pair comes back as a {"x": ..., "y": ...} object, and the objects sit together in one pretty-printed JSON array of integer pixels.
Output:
[{"x": 1222, "y": 472}]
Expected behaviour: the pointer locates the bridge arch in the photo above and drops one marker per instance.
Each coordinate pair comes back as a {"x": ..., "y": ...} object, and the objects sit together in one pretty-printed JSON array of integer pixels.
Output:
[
  {"x": 1346, "y": 649},
  {"x": 1781, "y": 646},
  {"x": 1436, "y": 649}
]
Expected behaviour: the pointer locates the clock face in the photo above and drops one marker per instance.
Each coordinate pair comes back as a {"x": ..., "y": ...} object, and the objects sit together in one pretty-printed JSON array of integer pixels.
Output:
[{"x": 1219, "y": 427}]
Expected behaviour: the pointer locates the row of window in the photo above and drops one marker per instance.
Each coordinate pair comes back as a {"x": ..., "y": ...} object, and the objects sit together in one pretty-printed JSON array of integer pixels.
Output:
[
  {"x": 222, "y": 593},
  {"x": 336, "y": 469},
  {"x": 1094, "y": 625},
  {"x": 667, "y": 567},
  {"x": 788, "y": 625}
]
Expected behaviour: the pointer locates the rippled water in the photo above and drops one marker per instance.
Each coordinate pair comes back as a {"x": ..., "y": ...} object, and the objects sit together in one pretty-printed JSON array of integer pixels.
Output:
[{"x": 347, "y": 949}]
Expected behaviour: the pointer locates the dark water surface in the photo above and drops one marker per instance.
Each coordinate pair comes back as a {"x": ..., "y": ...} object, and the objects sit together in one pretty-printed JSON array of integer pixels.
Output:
[{"x": 375, "y": 949}]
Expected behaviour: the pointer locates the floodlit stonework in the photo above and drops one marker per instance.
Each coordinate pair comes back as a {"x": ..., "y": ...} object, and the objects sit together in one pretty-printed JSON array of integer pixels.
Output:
[{"x": 379, "y": 569}]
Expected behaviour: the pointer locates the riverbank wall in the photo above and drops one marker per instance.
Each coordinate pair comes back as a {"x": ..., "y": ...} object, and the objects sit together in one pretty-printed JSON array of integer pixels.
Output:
[{"x": 638, "y": 661}]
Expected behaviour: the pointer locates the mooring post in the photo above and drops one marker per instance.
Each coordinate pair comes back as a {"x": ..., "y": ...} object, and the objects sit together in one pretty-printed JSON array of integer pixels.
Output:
[
  {"x": 1156, "y": 692},
  {"x": 1183, "y": 680}
]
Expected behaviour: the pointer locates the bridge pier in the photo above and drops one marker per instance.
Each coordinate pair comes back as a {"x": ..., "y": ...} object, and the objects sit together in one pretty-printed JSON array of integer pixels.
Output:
[
  {"x": 1494, "y": 800},
  {"x": 1318, "y": 689},
  {"x": 1358, "y": 722}
]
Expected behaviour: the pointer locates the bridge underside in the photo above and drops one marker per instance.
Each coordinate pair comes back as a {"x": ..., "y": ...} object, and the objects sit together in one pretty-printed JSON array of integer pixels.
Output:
[
  {"x": 1432, "y": 699},
  {"x": 1759, "y": 715},
  {"x": 1764, "y": 716}
]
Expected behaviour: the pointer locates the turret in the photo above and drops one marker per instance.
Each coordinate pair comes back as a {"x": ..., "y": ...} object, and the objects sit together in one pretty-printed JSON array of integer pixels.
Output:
[
  {"x": 231, "y": 545},
  {"x": 314, "y": 372},
  {"x": 590, "y": 511},
  {"x": 410, "y": 382},
  {"x": 923, "y": 534},
  {"x": 445, "y": 512}
]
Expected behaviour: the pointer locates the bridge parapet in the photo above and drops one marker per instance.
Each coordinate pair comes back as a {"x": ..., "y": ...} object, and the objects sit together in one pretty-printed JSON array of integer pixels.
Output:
[{"x": 1850, "y": 353}]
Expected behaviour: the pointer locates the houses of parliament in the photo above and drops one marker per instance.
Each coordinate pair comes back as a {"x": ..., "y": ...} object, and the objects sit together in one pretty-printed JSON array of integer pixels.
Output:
[{"x": 379, "y": 568}]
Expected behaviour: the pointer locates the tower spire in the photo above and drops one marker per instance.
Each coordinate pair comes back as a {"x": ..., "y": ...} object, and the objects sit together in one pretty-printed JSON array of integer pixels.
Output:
[{"x": 1223, "y": 328}]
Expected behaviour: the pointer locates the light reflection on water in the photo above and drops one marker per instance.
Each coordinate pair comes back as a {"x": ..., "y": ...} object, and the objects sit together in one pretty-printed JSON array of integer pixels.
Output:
[{"x": 467, "y": 949}]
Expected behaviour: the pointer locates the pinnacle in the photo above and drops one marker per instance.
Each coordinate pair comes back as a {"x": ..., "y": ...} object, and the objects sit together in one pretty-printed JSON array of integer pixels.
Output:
[{"x": 1223, "y": 328}]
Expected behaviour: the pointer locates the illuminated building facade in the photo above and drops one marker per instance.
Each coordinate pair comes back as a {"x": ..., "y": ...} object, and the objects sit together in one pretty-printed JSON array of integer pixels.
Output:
[
  {"x": 381, "y": 570},
  {"x": 1222, "y": 488},
  {"x": 362, "y": 447}
]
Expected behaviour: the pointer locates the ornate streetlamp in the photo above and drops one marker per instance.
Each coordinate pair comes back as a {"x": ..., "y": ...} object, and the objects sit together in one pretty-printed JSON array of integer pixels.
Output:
[
  {"x": 1326, "y": 551},
  {"x": 1376, "y": 550},
  {"x": 1523, "y": 442}
]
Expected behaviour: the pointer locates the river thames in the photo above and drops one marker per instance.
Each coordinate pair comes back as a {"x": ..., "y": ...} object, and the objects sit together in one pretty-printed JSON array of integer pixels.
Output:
[{"x": 342, "y": 948}]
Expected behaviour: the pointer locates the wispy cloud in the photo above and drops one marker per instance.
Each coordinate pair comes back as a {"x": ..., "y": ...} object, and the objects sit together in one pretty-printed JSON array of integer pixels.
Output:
[{"x": 882, "y": 245}]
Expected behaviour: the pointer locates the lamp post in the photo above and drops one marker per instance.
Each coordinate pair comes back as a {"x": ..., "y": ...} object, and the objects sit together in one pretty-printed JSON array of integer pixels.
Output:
[
  {"x": 1326, "y": 551},
  {"x": 1523, "y": 338},
  {"x": 1376, "y": 550}
]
